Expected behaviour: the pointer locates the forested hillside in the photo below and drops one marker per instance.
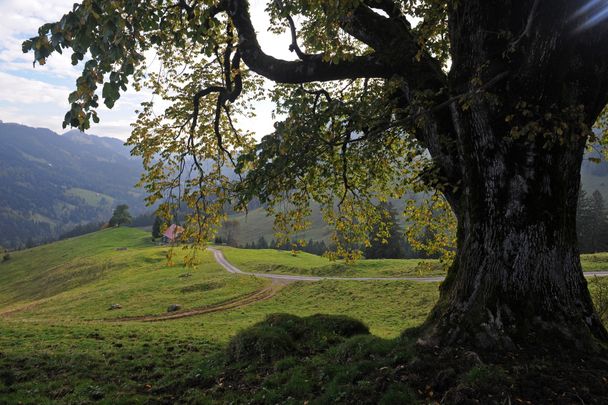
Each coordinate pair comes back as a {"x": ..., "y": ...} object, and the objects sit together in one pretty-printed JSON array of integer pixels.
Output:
[{"x": 50, "y": 182}]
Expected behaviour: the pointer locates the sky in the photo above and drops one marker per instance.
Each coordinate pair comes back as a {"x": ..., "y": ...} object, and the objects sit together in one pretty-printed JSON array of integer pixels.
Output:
[{"x": 38, "y": 96}]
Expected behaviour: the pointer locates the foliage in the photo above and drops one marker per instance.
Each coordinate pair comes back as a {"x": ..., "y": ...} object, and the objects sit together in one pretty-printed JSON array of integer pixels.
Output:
[
  {"x": 432, "y": 227},
  {"x": 352, "y": 147},
  {"x": 6, "y": 256},
  {"x": 121, "y": 216},
  {"x": 386, "y": 240}
]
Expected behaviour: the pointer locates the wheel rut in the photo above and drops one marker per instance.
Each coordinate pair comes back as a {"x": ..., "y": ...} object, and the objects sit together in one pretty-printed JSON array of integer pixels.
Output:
[{"x": 252, "y": 298}]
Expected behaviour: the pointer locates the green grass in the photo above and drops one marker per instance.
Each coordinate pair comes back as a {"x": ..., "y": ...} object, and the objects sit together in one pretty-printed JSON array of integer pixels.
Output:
[
  {"x": 595, "y": 262},
  {"x": 302, "y": 263},
  {"x": 90, "y": 197},
  {"x": 61, "y": 345},
  {"x": 83, "y": 276},
  {"x": 285, "y": 262}
]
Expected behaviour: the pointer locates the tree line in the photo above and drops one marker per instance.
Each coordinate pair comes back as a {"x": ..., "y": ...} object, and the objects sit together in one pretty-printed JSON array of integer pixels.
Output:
[{"x": 592, "y": 222}]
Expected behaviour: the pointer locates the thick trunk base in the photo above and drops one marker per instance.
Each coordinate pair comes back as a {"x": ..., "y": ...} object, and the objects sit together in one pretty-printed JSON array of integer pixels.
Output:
[{"x": 536, "y": 299}]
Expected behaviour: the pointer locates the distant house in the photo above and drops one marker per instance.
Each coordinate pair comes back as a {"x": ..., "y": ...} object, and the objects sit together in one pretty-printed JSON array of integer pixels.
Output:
[{"x": 172, "y": 233}]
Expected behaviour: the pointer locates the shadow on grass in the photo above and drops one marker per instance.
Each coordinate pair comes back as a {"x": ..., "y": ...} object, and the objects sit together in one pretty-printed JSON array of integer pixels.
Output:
[
  {"x": 290, "y": 359},
  {"x": 320, "y": 359}
]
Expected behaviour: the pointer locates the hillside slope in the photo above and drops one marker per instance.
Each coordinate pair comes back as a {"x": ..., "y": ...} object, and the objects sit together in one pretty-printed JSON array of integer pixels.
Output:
[
  {"x": 51, "y": 182},
  {"x": 83, "y": 276}
]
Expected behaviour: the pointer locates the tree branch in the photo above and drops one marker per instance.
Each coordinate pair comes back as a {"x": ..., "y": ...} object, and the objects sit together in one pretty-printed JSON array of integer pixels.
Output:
[
  {"x": 396, "y": 44},
  {"x": 294, "y": 47},
  {"x": 304, "y": 71}
]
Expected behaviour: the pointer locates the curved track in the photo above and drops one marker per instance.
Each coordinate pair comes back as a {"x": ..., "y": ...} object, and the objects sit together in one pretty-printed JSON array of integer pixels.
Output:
[{"x": 222, "y": 261}]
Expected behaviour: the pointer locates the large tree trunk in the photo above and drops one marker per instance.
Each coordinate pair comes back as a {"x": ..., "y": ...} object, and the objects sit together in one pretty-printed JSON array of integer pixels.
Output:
[
  {"x": 517, "y": 278},
  {"x": 521, "y": 129}
]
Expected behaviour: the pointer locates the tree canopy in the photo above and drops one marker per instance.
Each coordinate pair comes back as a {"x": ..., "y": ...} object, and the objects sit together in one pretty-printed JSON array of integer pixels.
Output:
[
  {"x": 341, "y": 98},
  {"x": 488, "y": 106},
  {"x": 121, "y": 216}
]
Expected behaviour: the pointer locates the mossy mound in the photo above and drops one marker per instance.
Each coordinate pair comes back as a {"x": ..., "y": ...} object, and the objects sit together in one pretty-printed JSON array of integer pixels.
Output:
[{"x": 280, "y": 335}]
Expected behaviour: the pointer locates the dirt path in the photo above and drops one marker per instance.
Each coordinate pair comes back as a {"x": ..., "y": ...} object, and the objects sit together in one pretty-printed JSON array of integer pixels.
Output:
[
  {"x": 256, "y": 296},
  {"x": 221, "y": 259}
]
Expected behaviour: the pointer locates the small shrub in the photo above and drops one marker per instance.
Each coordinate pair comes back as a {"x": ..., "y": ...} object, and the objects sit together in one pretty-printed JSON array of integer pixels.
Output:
[
  {"x": 280, "y": 335},
  {"x": 6, "y": 257},
  {"x": 316, "y": 333},
  {"x": 359, "y": 348}
]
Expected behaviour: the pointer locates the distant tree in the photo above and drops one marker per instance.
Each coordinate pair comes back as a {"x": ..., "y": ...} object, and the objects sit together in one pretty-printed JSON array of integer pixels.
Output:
[
  {"x": 121, "y": 216},
  {"x": 262, "y": 244},
  {"x": 82, "y": 230},
  {"x": 584, "y": 222},
  {"x": 229, "y": 232},
  {"x": 598, "y": 229},
  {"x": 387, "y": 240},
  {"x": 156, "y": 227},
  {"x": 143, "y": 220},
  {"x": 315, "y": 247}
]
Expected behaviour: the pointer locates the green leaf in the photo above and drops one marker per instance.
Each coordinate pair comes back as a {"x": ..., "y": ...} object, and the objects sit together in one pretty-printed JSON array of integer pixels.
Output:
[{"x": 110, "y": 94}]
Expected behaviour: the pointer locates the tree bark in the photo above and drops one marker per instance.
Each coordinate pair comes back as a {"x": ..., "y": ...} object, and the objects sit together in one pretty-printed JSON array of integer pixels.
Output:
[{"x": 517, "y": 279}]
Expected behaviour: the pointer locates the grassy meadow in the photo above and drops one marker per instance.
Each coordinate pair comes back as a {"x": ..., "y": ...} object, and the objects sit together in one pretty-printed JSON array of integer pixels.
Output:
[
  {"x": 302, "y": 263},
  {"x": 59, "y": 342}
]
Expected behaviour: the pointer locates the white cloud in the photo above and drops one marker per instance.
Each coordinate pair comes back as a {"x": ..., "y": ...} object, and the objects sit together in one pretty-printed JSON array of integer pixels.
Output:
[
  {"x": 21, "y": 19},
  {"x": 17, "y": 89},
  {"x": 38, "y": 97}
]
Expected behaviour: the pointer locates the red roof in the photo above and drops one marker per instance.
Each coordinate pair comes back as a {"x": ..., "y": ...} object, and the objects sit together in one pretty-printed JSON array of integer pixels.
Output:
[{"x": 173, "y": 232}]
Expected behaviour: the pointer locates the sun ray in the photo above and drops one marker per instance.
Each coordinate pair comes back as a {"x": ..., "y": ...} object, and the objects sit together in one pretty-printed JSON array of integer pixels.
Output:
[{"x": 591, "y": 14}]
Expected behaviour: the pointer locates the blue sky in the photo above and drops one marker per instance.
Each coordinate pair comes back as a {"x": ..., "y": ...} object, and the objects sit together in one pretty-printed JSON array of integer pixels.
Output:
[{"x": 38, "y": 96}]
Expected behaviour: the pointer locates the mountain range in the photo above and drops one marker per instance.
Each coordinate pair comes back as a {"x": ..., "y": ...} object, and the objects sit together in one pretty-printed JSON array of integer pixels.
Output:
[{"x": 50, "y": 183}]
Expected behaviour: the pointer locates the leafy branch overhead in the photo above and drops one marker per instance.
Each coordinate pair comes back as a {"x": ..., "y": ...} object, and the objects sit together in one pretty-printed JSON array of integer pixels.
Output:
[{"x": 209, "y": 53}]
